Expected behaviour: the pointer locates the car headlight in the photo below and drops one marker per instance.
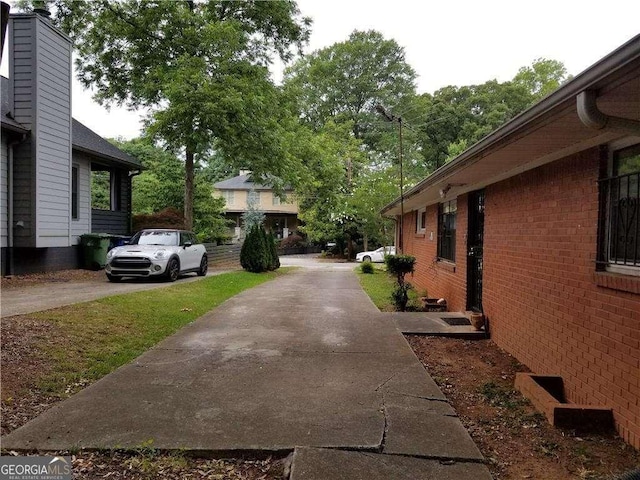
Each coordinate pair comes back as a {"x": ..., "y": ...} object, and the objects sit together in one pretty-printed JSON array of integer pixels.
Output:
[
  {"x": 160, "y": 254},
  {"x": 111, "y": 253}
]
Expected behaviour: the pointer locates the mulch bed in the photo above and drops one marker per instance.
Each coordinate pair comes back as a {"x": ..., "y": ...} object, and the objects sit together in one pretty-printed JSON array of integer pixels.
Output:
[{"x": 478, "y": 377}]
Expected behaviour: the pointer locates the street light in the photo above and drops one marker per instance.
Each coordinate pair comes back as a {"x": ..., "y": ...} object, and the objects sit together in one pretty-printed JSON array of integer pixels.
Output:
[{"x": 392, "y": 118}]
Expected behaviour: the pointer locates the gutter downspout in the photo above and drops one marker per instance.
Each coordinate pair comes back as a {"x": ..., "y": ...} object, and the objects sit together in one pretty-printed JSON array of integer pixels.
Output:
[{"x": 592, "y": 117}]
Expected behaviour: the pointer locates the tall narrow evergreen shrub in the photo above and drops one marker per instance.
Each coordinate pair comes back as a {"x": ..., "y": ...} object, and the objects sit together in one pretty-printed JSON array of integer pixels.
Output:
[{"x": 254, "y": 255}]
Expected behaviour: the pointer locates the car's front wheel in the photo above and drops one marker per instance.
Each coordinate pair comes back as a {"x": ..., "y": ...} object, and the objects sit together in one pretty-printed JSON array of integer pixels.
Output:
[
  {"x": 204, "y": 266},
  {"x": 366, "y": 258},
  {"x": 173, "y": 270},
  {"x": 113, "y": 279}
]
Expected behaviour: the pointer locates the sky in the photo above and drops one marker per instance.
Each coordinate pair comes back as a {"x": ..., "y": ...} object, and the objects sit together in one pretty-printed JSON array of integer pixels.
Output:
[{"x": 447, "y": 42}]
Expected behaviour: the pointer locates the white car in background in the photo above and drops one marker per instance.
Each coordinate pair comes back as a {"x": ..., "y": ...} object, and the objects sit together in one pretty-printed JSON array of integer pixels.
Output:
[
  {"x": 375, "y": 255},
  {"x": 157, "y": 252}
]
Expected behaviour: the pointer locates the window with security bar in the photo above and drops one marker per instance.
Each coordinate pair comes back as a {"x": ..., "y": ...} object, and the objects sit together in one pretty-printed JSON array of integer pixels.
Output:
[
  {"x": 447, "y": 213},
  {"x": 620, "y": 213}
]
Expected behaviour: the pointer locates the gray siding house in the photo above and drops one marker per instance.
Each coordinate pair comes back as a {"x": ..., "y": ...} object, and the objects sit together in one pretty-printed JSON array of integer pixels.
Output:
[{"x": 48, "y": 158}]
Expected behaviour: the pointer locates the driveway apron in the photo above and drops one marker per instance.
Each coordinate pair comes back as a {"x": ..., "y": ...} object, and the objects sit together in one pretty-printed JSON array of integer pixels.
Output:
[{"x": 303, "y": 360}]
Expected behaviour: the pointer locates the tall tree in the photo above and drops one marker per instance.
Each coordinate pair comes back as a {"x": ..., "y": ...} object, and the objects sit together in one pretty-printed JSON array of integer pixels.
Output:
[
  {"x": 344, "y": 82},
  {"x": 199, "y": 67},
  {"x": 542, "y": 77},
  {"x": 337, "y": 89},
  {"x": 160, "y": 184}
]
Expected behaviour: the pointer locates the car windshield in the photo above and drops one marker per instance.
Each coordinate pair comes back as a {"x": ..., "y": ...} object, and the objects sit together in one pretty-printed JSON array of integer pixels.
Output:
[{"x": 156, "y": 237}]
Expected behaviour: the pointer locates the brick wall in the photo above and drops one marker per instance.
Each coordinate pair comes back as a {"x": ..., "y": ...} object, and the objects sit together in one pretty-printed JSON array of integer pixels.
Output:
[
  {"x": 541, "y": 295},
  {"x": 545, "y": 303},
  {"x": 441, "y": 279}
]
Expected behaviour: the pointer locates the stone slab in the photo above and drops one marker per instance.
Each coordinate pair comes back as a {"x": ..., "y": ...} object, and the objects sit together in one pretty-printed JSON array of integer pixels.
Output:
[
  {"x": 420, "y": 432},
  {"x": 323, "y": 464},
  {"x": 423, "y": 323}
]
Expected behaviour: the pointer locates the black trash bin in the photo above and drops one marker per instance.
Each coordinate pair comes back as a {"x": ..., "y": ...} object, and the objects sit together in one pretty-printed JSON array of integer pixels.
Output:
[{"x": 94, "y": 250}]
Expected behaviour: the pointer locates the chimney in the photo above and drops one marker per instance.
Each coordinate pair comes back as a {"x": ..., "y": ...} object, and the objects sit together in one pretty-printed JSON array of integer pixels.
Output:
[
  {"x": 43, "y": 12},
  {"x": 40, "y": 99}
]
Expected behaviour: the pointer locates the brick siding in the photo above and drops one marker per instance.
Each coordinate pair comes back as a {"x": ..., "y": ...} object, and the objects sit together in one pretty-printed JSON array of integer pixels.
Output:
[{"x": 545, "y": 302}]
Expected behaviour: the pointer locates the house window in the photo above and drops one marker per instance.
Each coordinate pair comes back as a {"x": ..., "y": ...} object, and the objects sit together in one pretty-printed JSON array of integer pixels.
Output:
[
  {"x": 276, "y": 200},
  {"x": 229, "y": 197},
  {"x": 253, "y": 198},
  {"x": 620, "y": 212},
  {"x": 106, "y": 190},
  {"x": 447, "y": 230},
  {"x": 116, "y": 191},
  {"x": 421, "y": 220},
  {"x": 74, "y": 192}
]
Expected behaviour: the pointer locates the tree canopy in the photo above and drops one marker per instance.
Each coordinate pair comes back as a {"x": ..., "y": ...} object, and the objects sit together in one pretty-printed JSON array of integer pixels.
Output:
[
  {"x": 161, "y": 183},
  {"x": 199, "y": 67}
]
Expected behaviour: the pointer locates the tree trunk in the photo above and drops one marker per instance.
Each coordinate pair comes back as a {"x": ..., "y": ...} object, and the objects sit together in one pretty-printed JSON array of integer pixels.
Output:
[
  {"x": 188, "y": 190},
  {"x": 350, "y": 248},
  {"x": 365, "y": 241}
]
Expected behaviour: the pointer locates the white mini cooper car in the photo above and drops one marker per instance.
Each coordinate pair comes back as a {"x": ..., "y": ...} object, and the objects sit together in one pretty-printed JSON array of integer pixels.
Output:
[{"x": 157, "y": 252}]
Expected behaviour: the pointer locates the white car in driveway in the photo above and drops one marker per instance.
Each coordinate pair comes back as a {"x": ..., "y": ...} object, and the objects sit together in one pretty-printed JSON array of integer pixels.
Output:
[
  {"x": 157, "y": 252},
  {"x": 375, "y": 255}
]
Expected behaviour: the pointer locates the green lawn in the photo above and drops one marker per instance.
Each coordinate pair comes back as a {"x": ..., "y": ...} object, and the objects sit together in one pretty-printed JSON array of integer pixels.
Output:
[
  {"x": 379, "y": 286},
  {"x": 92, "y": 339}
]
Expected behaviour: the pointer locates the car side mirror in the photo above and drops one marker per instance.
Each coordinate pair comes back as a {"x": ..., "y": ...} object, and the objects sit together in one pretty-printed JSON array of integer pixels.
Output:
[{"x": 187, "y": 244}]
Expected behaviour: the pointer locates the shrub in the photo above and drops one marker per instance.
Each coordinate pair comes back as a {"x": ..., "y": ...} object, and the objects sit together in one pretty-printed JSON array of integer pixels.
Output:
[
  {"x": 253, "y": 254},
  {"x": 367, "y": 267},
  {"x": 292, "y": 241},
  {"x": 400, "y": 265},
  {"x": 400, "y": 296},
  {"x": 273, "y": 261},
  {"x": 167, "y": 218}
]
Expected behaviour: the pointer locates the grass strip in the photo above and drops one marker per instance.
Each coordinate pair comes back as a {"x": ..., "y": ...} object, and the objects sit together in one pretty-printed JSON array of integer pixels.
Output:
[
  {"x": 94, "y": 338},
  {"x": 378, "y": 285}
]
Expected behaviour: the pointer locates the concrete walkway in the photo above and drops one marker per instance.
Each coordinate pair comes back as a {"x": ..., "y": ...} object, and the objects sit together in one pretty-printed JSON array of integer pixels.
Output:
[{"x": 304, "y": 362}]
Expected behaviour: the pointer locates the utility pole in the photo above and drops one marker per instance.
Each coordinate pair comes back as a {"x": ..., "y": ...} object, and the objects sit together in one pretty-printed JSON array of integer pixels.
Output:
[{"x": 392, "y": 118}]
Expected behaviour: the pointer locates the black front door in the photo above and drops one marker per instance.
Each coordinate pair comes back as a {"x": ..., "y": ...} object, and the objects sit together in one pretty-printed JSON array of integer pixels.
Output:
[{"x": 475, "y": 239}]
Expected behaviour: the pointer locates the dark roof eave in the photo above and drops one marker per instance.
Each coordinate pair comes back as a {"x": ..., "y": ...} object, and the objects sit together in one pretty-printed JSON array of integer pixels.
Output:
[
  {"x": 108, "y": 158},
  {"x": 14, "y": 128},
  {"x": 613, "y": 62}
]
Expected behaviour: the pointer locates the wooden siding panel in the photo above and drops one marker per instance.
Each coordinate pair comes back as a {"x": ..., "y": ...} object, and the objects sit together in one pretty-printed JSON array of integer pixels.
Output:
[
  {"x": 4, "y": 197},
  {"x": 106, "y": 221},
  {"x": 82, "y": 224},
  {"x": 53, "y": 120},
  {"x": 23, "y": 194},
  {"x": 21, "y": 43}
]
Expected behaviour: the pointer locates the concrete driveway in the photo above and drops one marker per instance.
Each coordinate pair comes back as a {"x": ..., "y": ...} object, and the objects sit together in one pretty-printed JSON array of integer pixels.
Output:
[
  {"x": 303, "y": 362},
  {"x": 22, "y": 300}
]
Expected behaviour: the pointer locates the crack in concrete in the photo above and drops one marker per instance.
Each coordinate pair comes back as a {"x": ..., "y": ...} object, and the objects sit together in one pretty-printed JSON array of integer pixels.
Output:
[
  {"x": 385, "y": 382},
  {"x": 442, "y": 459},
  {"x": 395, "y": 468},
  {"x": 433, "y": 399},
  {"x": 385, "y": 426}
]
